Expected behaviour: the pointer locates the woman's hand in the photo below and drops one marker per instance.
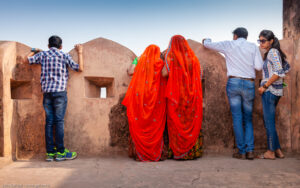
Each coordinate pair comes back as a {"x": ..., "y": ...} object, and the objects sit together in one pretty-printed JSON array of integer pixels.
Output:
[
  {"x": 130, "y": 70},
  {"x": 261, "y": 90}
]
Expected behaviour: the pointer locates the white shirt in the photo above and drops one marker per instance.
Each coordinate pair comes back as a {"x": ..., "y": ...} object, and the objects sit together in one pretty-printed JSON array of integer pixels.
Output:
[{"x": 242, "y": 57}]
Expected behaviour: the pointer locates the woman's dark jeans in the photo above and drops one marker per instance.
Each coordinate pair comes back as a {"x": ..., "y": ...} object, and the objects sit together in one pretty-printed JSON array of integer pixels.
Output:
[{"x": 270, "y": 102}]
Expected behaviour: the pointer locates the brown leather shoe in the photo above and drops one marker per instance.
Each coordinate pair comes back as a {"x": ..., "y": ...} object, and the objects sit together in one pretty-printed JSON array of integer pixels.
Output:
[
  {"x": 239, "y": 156},
  {"x": 250, "y": 155}
]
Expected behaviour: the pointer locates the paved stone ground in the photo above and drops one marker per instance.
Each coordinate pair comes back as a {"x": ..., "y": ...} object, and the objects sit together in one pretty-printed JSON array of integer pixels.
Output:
[{"x": 210, "y": 171}]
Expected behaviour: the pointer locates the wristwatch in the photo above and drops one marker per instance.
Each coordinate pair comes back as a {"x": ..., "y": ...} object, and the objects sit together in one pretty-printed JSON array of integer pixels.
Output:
[
  {"x": 264, "y": 86},
  {"x": 35, "y": 50}
]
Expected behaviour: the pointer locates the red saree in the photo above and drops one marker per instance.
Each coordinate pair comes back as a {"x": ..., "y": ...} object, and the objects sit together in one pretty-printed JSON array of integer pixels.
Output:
[
  {"x": 184, "y": 97},
  {"x": 146, "y": 105}
]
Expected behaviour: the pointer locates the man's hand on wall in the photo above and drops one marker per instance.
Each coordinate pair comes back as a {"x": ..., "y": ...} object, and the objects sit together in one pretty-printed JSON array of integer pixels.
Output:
[
  {"x": 205, "y": 39},
  {"x": 32, "y": 52},
  {"x": 79, "y": 48},
  {"x": 36, "y": 50}
]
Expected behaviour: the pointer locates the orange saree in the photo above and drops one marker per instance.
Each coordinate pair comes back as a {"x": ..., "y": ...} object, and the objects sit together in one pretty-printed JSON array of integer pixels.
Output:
[
  {"x": 184, "y": 97},
  {"x": 146, "y": 105}
]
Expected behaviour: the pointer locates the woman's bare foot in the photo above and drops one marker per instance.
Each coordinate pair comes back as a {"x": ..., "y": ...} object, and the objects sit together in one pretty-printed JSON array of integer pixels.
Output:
[
  {"x": 279, "y": 154},
  {"x": 267, "y": 155}
]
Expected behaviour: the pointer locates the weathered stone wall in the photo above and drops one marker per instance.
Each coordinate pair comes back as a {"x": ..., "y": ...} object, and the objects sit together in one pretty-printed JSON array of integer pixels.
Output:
[
  {"x": 1, "y": 103},
  {"x": 88, "y": 116},
  {"x": 295, "y": 98},
  {"x": 217, "y": 122},
  {"x": 7, "y": 59},
  {"x": 23, "y": 115},
  {"x": 291, "y": 19},
  {"x": 293, "y": 53},
  {"x": 291, "y": 34},
  {"x": 2, "y": 53},
  {"x": 28, "y": 116}
]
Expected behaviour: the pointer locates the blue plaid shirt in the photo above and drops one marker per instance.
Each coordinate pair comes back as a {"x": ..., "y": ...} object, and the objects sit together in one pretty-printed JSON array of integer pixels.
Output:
[{"x": 54, "y": 64}]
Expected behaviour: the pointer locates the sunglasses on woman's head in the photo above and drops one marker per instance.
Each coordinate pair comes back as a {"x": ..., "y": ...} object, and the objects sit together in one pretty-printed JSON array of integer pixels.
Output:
[{"x": 261, "y": 41}]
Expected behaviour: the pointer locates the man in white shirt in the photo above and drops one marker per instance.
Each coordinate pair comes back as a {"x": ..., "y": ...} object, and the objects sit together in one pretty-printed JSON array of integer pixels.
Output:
[{"x": 242, "y": 58}]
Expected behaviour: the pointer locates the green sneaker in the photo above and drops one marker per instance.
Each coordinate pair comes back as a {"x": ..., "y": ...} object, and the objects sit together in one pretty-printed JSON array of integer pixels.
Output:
[
  {"x": 67, "y": 155},
  {"x": 50, "y": 157}
]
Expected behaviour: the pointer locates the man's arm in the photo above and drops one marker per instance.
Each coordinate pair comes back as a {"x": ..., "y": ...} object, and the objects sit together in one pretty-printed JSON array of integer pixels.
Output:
[
  {"x": 30, "y": 54},
  {"x": 217, "y": 46},
  {"x": 79, "y": 49},
  {"x": 258, "y": 61}
]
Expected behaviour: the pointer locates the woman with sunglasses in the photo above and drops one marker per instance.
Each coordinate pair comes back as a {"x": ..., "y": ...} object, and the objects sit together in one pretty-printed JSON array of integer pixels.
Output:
[{"x": 271, "y": 89}]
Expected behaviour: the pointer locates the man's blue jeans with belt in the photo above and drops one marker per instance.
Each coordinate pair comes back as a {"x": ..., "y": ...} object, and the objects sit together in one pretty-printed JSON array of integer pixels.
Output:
[
  {"x": 241, "y": 94},
  {"x": 55, "y": 104}
]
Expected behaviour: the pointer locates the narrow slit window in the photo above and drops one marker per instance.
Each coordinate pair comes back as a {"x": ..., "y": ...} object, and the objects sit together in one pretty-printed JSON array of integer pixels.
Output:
[
  {"x": 99, "y": 87},
  {"x": 103, "y": 93}
]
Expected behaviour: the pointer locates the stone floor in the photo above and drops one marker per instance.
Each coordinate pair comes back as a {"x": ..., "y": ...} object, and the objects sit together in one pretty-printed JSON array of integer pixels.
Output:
[{"x": 213, "y": 170}]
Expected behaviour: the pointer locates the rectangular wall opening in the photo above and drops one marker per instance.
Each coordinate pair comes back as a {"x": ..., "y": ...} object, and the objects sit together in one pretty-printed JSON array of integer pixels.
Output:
[
  {"x": 98, "y": 87},
  {"x": 21, "y": 89}
]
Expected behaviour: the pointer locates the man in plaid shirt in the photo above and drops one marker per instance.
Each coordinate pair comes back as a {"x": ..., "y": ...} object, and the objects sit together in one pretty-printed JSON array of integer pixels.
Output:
[{"x": 54, "y": 76}]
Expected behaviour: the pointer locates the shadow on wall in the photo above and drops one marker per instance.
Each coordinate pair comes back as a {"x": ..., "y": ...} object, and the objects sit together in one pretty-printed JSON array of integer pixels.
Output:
[
  {"x": 217, "y": 123},
  {"x": 28, "y": 115},
  {"x": 118, "y": 125}
]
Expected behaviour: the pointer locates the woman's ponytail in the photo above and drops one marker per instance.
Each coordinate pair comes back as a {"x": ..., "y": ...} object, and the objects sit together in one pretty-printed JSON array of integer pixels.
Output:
[{"x": 269, "y": 35}]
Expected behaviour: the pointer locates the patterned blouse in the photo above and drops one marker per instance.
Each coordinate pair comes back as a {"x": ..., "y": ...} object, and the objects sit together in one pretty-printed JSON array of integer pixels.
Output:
[{"x": 273, "y": 65}]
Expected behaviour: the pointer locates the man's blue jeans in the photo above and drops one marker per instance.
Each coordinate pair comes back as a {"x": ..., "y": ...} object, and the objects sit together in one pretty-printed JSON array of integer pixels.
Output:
[
  {"x": 241, "y": 94},
  {"x": 269, "y": 102},
  {"x": 55, "y": 107}
]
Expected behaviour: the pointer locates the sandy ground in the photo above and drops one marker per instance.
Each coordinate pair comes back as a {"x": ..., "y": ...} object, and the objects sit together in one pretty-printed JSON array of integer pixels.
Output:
[{"x": 213, "y": 170}]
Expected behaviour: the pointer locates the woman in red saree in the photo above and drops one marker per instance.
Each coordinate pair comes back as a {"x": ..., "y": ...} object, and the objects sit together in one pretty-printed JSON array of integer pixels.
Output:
[
  {"x": 184, "y": 100},
  {"x": 146, "y": 105}
]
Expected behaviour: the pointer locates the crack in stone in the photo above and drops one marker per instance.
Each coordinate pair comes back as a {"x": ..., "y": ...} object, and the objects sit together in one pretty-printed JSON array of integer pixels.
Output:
[{"x": 196, "y": 179}]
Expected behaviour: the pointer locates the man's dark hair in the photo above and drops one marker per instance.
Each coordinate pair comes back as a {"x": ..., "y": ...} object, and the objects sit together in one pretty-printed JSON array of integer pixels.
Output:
[
  {"x": 55, "y": 41},
  {"x": 241, "y": 32}
]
